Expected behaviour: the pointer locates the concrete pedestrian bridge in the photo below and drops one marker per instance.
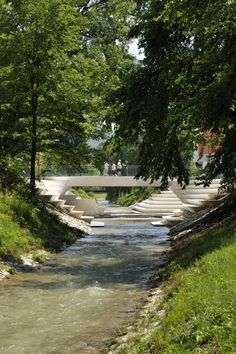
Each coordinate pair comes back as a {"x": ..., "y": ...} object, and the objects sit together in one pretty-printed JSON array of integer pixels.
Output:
[
  {"x": 61, "y": 184},
  {"x": 170, "y": 204}
]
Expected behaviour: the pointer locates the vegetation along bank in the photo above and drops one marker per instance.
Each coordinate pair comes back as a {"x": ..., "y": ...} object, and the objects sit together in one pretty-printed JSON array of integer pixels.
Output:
[
  {"x": 192, "y": 307},
  {"x": 29, "y": 234}
]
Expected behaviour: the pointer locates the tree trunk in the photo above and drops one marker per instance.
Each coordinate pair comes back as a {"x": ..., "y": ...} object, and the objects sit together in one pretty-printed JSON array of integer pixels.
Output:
[
  {"x": 33, "y": 157},
  {"x": 34, "y": 106}
]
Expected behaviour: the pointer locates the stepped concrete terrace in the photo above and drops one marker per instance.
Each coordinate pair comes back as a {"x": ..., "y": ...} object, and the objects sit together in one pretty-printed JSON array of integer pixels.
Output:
[
  {"x": 174, "y": 203},
  {"x": 57, "y": 189},
  {"x": 196, "y": 194},
  {"x": 160, "y": 204},
  {"x": 171, "y": 204}
]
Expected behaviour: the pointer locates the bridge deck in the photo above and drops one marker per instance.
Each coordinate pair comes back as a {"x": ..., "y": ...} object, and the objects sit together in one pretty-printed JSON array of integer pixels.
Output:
[{"x": 102, "y": 181}]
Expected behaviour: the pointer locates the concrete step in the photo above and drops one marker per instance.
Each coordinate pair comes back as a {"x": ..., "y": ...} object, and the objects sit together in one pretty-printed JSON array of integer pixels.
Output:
[
  {"x": 159, "y": 223},
  {"x": 87, "y": 218},
  {"x": 199, "y": 190},
  {"x": 68, "y": 207},
  {"x": 214, "y": 181},
  {"x": 172, "y": 220},
  {"x": 192, "y": 208},
  {"x": 76, "y": 213},
  {"x": 57, "y": 202},
  {"x": 195, "y": 202},
  {"x": 70, "y": 199},
  {"x": 161, "y": 202},
  {"x": 46, "y": 196},
  {"x": 144, "y": 204},
  {"x": 69, "y": 193},
  {"x": 214, "y": 202},
  {"x": 169, "y": 195},
  {"x": 198, "y": 196},
  {"x": 97, "y": 223},
  {"x": 178, "y": 212},
  {"x": 154, "y": 210},
  {"x": 169, "y": 200}
]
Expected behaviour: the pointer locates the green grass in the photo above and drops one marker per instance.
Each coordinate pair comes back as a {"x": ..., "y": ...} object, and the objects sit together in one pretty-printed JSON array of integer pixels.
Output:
[
  {"x": 26, "y": 229},
  {"x": 15, "y": 240},
  {"x": 135, "y": 196},
  {"x": 199, "y": 301},
  {"x": 80, "y": 192}
]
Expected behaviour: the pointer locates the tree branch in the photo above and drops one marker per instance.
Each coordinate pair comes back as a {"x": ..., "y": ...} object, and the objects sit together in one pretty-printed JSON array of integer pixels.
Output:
[{"x": 90, "y": 4}]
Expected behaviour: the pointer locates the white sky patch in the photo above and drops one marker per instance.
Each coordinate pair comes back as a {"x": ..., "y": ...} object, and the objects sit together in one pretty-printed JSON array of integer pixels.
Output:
[{"x": 135, "y": 51}]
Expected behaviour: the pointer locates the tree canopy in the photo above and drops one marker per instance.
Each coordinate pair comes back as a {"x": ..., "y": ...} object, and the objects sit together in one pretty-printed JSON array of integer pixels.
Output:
[
  {"x": 58, "y": 61},
  {"x": 186, "y": 82}
]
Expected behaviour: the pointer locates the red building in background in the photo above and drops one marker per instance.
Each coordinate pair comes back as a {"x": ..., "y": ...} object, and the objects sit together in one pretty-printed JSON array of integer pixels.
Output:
[{"x": 205, "y": 146}]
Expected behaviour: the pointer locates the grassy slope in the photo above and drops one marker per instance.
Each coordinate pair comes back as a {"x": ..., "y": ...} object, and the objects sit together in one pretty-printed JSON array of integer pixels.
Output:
[
  {"x": 25, "y": 229},
  {"x": 199, "y": 301}
]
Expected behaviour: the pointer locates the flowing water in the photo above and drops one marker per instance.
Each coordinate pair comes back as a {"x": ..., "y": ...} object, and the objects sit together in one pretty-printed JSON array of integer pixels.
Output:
[{"x": 80, "y": 299}]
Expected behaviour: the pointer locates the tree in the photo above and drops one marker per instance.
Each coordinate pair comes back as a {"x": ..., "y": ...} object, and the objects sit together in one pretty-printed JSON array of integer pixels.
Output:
[
  {"x": 186, "y": 81},
  {"x": 36, "y": 44},
  {"x": 56, "y": 70}
]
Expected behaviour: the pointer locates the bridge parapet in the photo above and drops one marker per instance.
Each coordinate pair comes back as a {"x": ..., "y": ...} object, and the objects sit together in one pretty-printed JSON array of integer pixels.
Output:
[
  {"x": 99, "y": 181},
  {"x": 87, "y": 171}
]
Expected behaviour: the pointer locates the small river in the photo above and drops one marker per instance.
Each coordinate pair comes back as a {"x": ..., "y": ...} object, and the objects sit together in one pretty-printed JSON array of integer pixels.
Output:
[{"x": 80, "y": 299}]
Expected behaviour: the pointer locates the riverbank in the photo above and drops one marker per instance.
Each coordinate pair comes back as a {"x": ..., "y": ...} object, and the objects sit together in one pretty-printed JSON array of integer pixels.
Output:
[
  {"x": 30, "y": 234},
  {"x": 191, "y": 307}
]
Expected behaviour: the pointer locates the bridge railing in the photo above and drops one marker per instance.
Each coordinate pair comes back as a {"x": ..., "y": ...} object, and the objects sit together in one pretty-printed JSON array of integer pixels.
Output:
[{"x": 87, "y": 170}]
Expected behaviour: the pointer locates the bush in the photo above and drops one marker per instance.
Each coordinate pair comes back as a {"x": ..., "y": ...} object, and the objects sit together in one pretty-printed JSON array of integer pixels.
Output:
[
  {"x": 20, "y": 210},
  {"x": 24, "y": 228},
  {"x": 135, "y": 196},
  {"x": 81, "y": 193},
  {"x": 12, "y": 175},
  {"x": 15, "y": 240}
]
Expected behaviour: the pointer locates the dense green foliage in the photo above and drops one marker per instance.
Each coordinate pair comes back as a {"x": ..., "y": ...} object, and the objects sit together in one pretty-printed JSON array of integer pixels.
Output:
[
  {"x": 87, "y": 194},
  {"x": 185, "y": 82},
  {"x": 26, "y": 229},
  {"x": 199, "y": 300},
  {"x": 58, "y": 61},
  {"x": 108, "y": 151},
  {"x": 136, "y": 195}
]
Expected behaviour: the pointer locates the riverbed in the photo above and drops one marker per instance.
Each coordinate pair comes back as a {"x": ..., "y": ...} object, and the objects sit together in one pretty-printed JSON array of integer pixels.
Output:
[{"x": 80, "y": 299}]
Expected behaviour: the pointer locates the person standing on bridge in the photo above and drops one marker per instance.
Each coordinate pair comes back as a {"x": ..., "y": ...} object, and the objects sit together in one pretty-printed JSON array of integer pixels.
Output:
[
  {"x": 105, "y": 169},
  {"x": 125, "y": 165},
  {"x": 113, "y": 169},
  {"x": 119, "y": 167}
]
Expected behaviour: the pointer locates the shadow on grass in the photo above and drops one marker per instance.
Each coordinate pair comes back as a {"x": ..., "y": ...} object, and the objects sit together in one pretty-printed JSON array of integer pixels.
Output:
[{"x": 54, "y": 234}]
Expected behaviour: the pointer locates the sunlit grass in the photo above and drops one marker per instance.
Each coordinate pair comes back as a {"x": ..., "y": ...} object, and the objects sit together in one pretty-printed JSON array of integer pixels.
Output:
[
  {"x": 135, "y": 196},
  {"x": 80, "y": 192},
  {"x": 27, "y": 229},
  {"x": 199, "y": 301}
]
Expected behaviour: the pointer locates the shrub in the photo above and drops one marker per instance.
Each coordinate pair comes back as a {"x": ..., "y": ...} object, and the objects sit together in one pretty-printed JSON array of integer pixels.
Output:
[
  {"x": 135, "y": 196},
  {"x": 15, "y": 240}
]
